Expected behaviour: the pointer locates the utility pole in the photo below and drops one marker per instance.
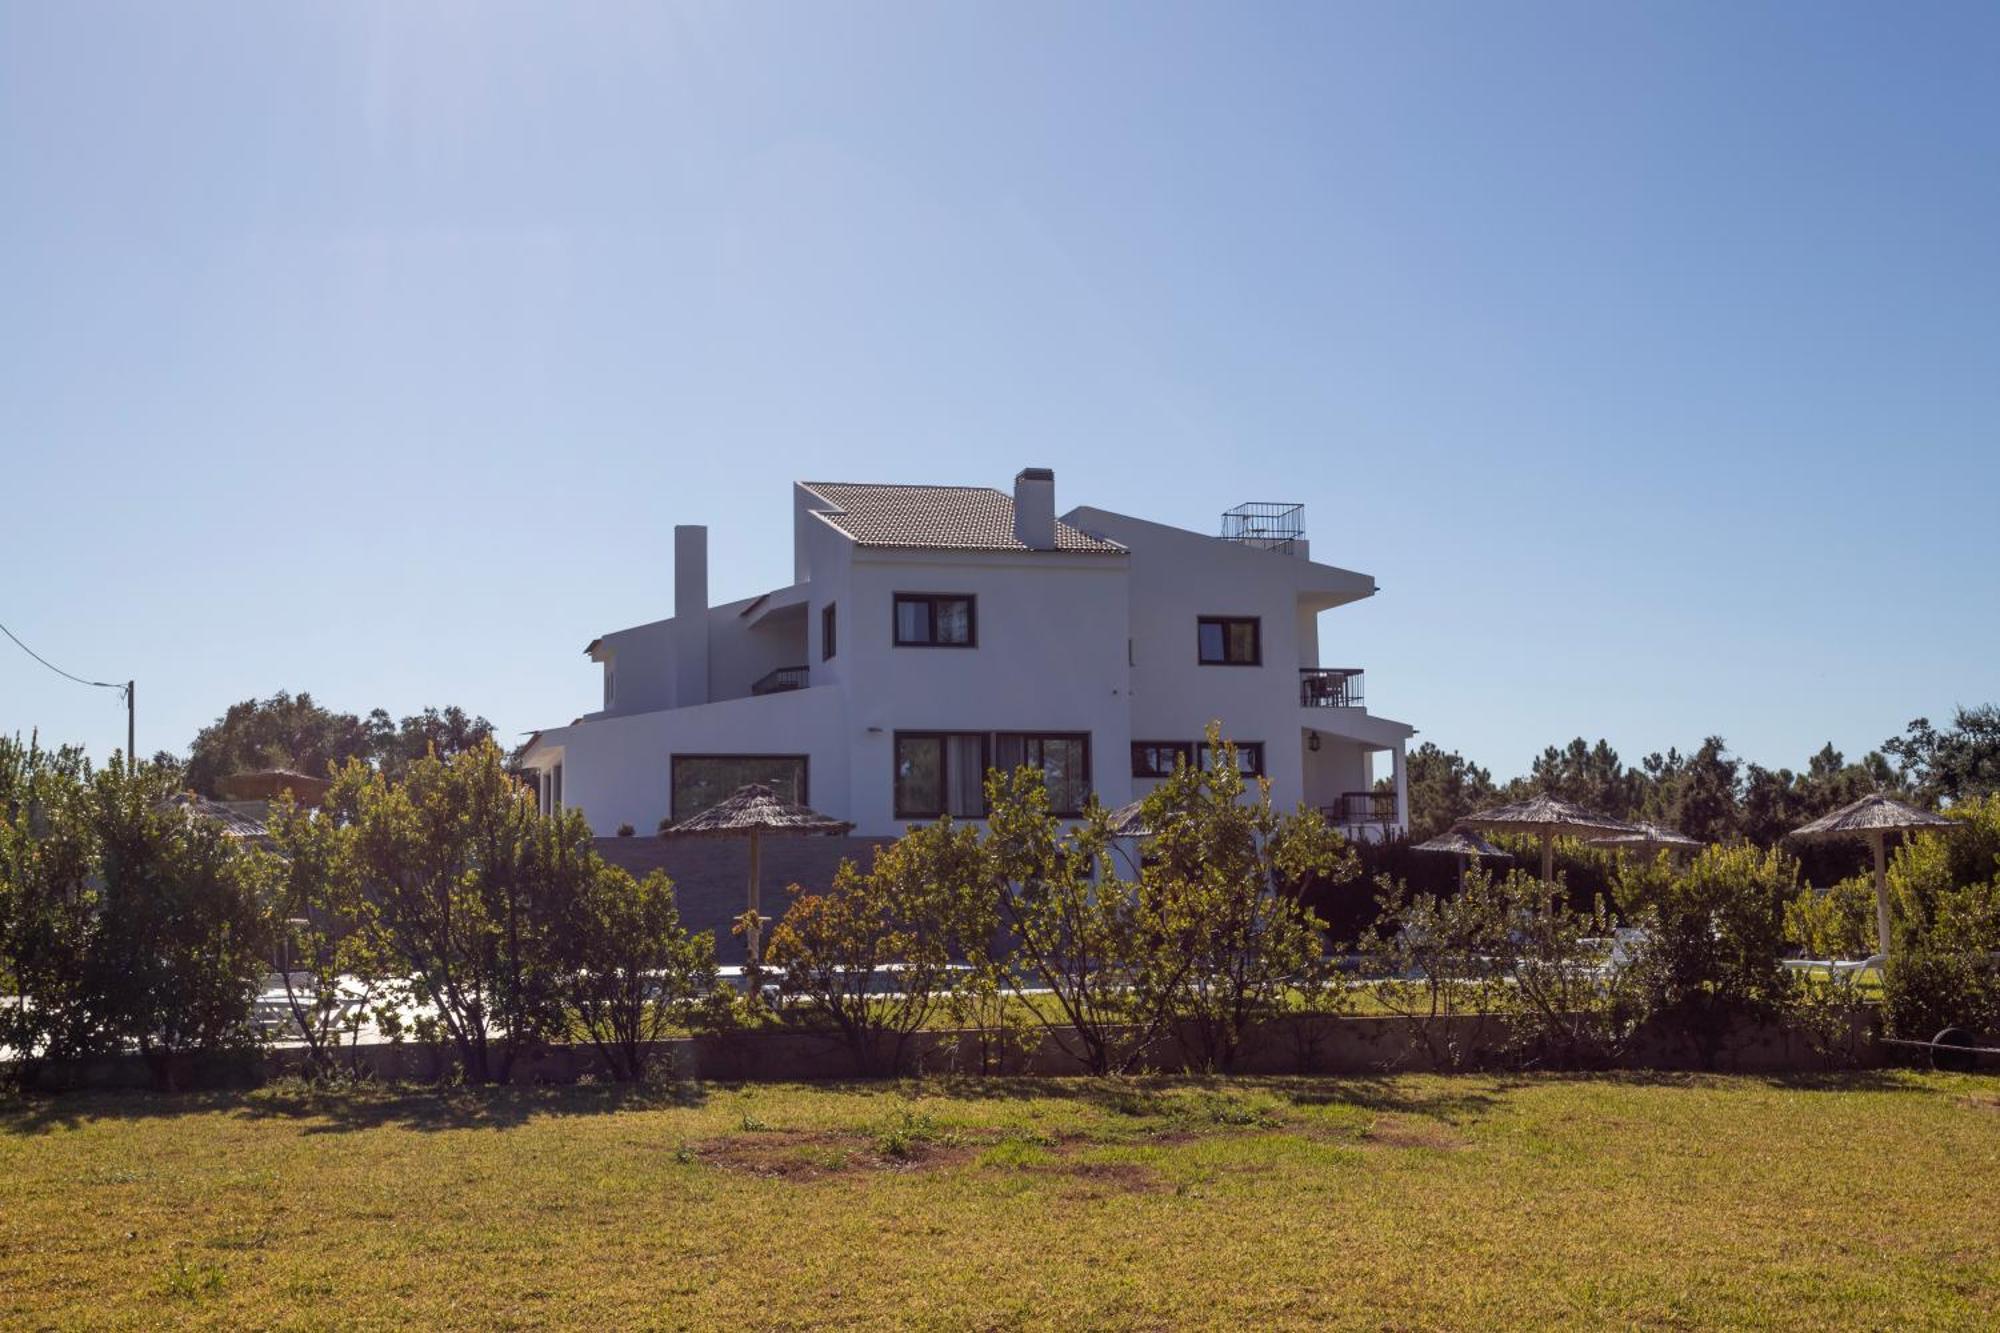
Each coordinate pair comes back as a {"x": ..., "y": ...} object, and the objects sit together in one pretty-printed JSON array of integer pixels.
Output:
[{"x": 131, "y": 729}]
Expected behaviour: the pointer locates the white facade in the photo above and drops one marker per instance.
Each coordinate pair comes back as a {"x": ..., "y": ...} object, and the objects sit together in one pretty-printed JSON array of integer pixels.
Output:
[{"x": 1072, "y": 640}]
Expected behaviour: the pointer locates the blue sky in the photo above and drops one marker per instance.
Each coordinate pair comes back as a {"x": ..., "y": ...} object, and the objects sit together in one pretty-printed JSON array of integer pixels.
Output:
[{"x": 1648, "y": 356}]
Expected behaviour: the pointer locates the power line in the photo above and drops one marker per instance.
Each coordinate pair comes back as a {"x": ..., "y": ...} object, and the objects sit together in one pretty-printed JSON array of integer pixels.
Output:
[
  {"x": 100, "y": 684},
  {"x": 129, "y": 689}
]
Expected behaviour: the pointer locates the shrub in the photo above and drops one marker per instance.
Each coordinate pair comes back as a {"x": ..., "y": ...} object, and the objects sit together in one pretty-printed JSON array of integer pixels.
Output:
[
  {"x": 630, "y": 972},
  {"x": 1568, "y": 1005},
  {"x": 1437, "y": 960}
]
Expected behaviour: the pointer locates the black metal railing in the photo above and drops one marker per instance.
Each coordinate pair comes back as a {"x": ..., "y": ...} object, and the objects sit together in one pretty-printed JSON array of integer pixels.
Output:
[
  {"x": 1266, "y": 524},
  {"x": 784, "y": 678},
  {"x": 1362, "y": 807},
  {"x": 1330, "y": 687}
]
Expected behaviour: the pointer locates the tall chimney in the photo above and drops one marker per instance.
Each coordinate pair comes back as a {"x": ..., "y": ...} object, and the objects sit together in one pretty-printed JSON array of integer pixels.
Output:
[
  {"x": 1035, "y": 508},
  {"x": 690, "y": 614}
]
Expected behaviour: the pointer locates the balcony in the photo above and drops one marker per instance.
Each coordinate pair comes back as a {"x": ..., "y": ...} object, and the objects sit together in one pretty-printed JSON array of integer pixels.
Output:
[
  {"x": 1330, "y": 687},
  {"x": 1265, "y": 524},
  {"x": 1357, "y": 809},
  {"x": 777, "y": 682}
]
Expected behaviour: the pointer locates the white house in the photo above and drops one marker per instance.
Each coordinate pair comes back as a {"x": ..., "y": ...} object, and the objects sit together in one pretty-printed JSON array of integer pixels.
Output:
[{"x": 933, "y": 632}]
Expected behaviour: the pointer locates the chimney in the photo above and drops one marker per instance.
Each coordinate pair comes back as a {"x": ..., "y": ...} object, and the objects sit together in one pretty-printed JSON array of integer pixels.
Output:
[
  {"x": 690, "y": 614},
  {"x": 1035, "y": 508}
]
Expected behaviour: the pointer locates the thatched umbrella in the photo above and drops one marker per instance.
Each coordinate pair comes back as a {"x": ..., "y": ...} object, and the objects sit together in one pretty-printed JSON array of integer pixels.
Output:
[
  {"x": 1129, "y": 821},
  {"x": 1874, "y": 817},
  {"x": 1462, "y": 843},
  {"x": 1548, "y": 819},
  {"x": 1648, "y": 838},
  {"x": 752, "y": 812}
]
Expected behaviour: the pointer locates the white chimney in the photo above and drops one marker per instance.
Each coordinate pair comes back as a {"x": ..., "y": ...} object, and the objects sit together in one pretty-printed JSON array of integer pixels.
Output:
[
  {"x": 690, "y": 614},
  {"x": 1035, "y": 508}
]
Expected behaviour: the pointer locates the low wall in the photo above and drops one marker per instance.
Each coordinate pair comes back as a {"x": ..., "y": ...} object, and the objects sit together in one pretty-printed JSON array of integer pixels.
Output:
[{"x": 1291, "y": 1045}]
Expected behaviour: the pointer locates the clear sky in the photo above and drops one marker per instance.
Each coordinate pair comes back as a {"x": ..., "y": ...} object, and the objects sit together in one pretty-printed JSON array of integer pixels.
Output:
[{"x": 1649, "y": 356}]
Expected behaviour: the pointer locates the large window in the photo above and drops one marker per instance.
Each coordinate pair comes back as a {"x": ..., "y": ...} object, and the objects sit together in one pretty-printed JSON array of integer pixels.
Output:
[
  {"x": 935, "y": 620},
  {"x": 702, "y": 780},
  {"x": 1156, "y": 759},
  {"x": 1249, "y": 757},
  {"x": 1063, "y": 757},
  {"x": 828, "y": 623},
  {"x": 941, "y": 773},
  {"x": 1230, "y": 641}
]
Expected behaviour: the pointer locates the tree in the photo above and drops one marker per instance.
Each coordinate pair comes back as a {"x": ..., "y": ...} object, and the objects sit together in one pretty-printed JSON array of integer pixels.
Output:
[
  {"x": 182, "y": 938},
  {"x": 464, "y": 878},
  {"x": 48, "y": 903},
  {"x": 1084, "y": 939},
  {"x": 1960, "y": 762},
  {"x": 323, "y": 926},
  {"x": 1696, "y": 793},
  {"x": 870, "y": 955},
  {"x": 1230, "y": 867},
  {"x": 631, "y": 973},
  {"x": 295, "y": 732},
  {"x": 1715, "y": 932},
  {"x": 1439, "y": 960},
  {"x": 1444, "y": 788},
  {"x": 283, "y": 731},
  {"x": 1591, "y": 776},
  {"x": 444, "y": 732}
]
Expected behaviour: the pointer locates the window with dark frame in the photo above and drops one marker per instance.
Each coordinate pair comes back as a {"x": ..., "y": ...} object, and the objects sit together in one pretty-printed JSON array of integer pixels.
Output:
[
  {"x": 936, "y": 620},
  {"x": 1063, "y": 758},
  {"x": 827, "y": 626},
  {"x": 1156, "y": 759},
  {"x": 1249, "y": 757},
  {"x": 1230, "y": 640},
  {"x": 941, "y": 773},
  {"x": 702, "y": 780}
]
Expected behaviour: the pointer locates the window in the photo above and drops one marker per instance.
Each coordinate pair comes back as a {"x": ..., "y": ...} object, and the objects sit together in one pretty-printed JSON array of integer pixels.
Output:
[
  {"x": 1063, "y": 757},
  {"x": 935, "y": 620},
  {"x": 1156, "y": 759},
  {"x": 1249, "y": 757},
  {"x": 702, "y": 780},
  {"x": 826, "y": 629},
  {"x": 1230, "y": 641},
  {"x": 941, "y": 773}
]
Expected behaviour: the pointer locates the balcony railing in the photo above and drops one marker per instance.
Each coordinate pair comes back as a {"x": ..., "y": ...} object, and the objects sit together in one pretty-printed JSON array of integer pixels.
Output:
[
  {"x": 1330, "y": 687},
  {"x": 1362, "y": 807},
  {"x": 777, "y": 682}
]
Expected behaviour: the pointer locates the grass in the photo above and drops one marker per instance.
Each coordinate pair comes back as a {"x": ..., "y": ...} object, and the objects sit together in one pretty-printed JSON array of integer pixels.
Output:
[{"x": 1402, "y": 1202}]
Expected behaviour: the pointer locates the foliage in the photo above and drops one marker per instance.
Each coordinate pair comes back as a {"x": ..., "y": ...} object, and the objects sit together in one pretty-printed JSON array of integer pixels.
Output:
[
  {"x": 1443, "y": 788},
  {"x": 1225, "y": 871},
  {"x": 296, "y": 732},
  {"x": 1715, "y": 932},
  {"x": 1438, "y": 960},
  {"x": 1836, "y": 922},
  {"x": 896, "y": 918},
  {"x": 181, "y": 938},
  {"x": 1098, "y": 949},
  {"x": 630, "y": 971},
  {"x": 322, "y": 923},
  {"x": 1945, "y": 890},
  {"x": 48, "y": 904},
  {"x": 1956, "y": 764},
  {"x": 465, "y": 879},
  {"x": 1571, "y": 1004}
]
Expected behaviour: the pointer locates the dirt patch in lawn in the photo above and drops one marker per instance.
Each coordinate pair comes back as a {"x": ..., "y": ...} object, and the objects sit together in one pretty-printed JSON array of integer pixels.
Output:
[
  {"x": 799, "y": 1155},
  {"x": 1395, "y": 1131}
]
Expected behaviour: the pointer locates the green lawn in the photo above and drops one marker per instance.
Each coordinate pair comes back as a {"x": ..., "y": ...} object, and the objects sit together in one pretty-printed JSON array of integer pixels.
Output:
[{"x": 1408, "y": 1202}]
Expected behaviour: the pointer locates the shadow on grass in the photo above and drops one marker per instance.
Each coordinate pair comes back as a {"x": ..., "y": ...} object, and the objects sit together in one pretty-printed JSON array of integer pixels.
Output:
[{"x": 348, "y": 1108}]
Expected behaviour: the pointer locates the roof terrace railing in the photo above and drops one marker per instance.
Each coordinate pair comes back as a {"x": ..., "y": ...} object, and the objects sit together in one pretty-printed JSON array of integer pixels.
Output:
[
  {"x": 784, "y": 678},
  {"x": 1357, "y": 808},
  {"x": 1269, "y": 525}
]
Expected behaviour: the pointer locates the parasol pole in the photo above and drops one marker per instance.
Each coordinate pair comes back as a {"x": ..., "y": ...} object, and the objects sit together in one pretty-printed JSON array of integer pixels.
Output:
[
  {"x": 1876, "y": 840},
  {"x": 755, "y": 931}
]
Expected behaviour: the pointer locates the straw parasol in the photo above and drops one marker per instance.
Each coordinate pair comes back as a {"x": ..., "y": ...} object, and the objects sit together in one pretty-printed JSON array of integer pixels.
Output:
[
  {"x": 1129, "y": 821},
  {"x": 1547, "y": 818},
  {"x": 752, "y": 812},
  {"x": 1462, "y": 843},
  {"x": 1648, "y": 838},
  {"x": 1874, "y": 817}
]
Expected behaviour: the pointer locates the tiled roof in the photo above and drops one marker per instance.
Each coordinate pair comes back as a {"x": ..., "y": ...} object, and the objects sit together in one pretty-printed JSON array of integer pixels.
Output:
[{"x": 955, "y": 518}]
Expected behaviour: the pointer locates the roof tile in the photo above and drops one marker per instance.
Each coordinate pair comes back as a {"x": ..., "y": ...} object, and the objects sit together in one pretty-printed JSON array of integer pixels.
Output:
[{"x": 954, "y": 518}]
